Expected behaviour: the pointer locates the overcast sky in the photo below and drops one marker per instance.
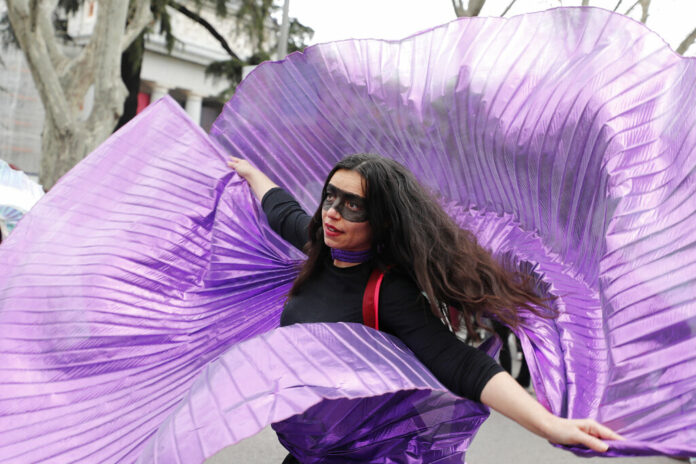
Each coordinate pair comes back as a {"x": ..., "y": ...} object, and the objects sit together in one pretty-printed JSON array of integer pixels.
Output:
[{"x": 395, "y": 19}]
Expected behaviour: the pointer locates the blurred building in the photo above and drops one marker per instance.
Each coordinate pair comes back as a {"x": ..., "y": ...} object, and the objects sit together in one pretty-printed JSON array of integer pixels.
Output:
[
  {"x": 21, "y": 118},
  {"x": 179, "y": 74}
]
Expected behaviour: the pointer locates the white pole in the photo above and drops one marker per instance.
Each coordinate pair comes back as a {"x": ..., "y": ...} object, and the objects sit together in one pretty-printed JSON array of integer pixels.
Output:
[
  {"x": 194, "y": 104},
  {"x": 284, "y": 29}
]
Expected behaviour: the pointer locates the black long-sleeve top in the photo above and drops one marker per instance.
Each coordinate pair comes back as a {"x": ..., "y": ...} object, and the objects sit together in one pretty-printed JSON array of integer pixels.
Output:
[{"x": 336, "y": 294}]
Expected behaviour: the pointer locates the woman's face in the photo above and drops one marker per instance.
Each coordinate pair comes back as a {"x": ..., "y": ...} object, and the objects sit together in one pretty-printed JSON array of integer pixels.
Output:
[{"x": 344, "y": 213}]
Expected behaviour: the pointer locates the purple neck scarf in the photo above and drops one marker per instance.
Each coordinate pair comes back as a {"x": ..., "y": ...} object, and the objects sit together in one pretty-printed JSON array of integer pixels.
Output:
[{"x": 355, "y": 257}]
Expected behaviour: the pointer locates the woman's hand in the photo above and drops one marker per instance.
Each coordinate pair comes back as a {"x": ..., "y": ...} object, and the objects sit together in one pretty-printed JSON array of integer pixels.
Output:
[
  {"x": 505, "y": 395},
  {"x": 242, "y": 166},
  {"x": 585, "y": 432},
  {"x": 258, "y": 181}
]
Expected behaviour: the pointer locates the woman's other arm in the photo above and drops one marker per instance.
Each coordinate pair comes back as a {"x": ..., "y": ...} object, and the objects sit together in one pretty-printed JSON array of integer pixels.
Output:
[
  {"x": 506, "y": 396},
  {"x": 258, "y": 181},
  {"x": 471, "y": 373}
]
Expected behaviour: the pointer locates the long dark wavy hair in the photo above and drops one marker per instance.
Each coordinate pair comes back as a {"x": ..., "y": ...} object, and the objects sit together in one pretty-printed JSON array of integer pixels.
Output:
[{"x": 412, "y": 234}]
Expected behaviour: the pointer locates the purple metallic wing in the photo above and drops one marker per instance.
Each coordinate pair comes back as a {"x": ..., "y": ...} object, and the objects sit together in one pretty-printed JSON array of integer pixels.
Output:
[
  {"x": 144, "y": 263},
  {"x": 335, "y": 393},
  {"x": 573, "y": 131},
  {"x": 116, "y": 295}
]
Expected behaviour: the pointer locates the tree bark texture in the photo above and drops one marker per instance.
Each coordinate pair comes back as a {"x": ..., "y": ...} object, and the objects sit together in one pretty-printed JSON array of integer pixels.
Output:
[
  {"x": 687, "y": 42},
  {"x": 63, "y": 83},
  {"x": 644, "y": 5},
  {"x": 473, "y": 7}
]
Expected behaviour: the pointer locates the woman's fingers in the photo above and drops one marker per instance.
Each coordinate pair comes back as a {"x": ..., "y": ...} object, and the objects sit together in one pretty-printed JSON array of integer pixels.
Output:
[
  {"x": 586, "y": 432},
  {"x": 590, "y": 433},
  {"x": 601, "y": 431},
  {"x": 241, "y": 166},
  {"x": 598, "y": 430},
  {"x": 593, "y": 443}
]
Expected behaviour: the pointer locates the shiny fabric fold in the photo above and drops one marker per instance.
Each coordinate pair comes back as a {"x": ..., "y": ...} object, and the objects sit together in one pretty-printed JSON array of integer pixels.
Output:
[
  {"x": 336, "y": 393},
  {"x": 575, "y": 126},
  {"x": 115, "y": 294},
  {"x": 564, "y": 140}
]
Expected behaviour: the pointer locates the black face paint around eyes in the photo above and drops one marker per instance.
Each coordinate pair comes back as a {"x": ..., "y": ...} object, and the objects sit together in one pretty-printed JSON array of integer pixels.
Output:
[{"x": 340, "y": 202}]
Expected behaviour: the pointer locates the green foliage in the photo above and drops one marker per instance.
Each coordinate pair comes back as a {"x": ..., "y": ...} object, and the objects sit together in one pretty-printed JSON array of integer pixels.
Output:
[
  {"x": 231, "y": 70},
  {"x": 220, "y": 8},
  {"x": 298, "y": 36},
  {"x": 161, "y": 15},
  {"x": 254, "y": 19}
]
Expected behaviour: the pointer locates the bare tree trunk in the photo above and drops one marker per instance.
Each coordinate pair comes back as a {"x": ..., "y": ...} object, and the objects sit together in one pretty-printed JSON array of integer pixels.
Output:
[
  {"x": 687, "y": 42},
  {"x": 459, "y": 9},
  {"x": 63, "y": 83},
  {"x": 473, "y": 9},
  {"x": 644, "y": 5},
  {"x": 61, "y": 149}
]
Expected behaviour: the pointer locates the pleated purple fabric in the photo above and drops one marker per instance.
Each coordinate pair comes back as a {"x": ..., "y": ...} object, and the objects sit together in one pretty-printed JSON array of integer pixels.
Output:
[
  {"x": 349, "y": 394},
  {"x": 132, "y": 294},
  {"x": 144, "y": 263},
  {"x": 570, "y": 135},
  {"x": 117, "y": 294}
]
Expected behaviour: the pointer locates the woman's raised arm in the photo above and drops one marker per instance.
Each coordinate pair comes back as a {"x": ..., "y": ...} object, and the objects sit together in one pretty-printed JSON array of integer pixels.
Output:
[
  {"x": 258, "y": 181},
  {"x": 506, "y": 396}
]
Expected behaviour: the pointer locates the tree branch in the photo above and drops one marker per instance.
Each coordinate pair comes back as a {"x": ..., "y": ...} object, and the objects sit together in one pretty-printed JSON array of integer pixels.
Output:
[
  {"x": 46, "y": 79},
  {"x": 195, "y": 17},
  {"x": 687, "y": 42},
  {"x": 33, "y": 13},
  {"x": 508, "y": 8},
  {"x": 140, "y": 20},
  {"x": 475, "y": 7},
  {"x": 618, "y": 5},
  {"x": 632, "y": 7},
  {"x": 585, "y": 2},
  {"x": 109, "y": 31},
  {"x": 109, "y": 89},
  {"x": 458, "y": 8},
  {"x": 58, "y": 59},
  {"x": 645, "y": 4},
  {"x": 78, "y": 76}
]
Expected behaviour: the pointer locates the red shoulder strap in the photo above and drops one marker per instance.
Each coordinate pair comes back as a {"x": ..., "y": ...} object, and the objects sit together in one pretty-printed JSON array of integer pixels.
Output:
[
  {"x": 371, "y": 303},
  {"x": 371, "y": 299}
]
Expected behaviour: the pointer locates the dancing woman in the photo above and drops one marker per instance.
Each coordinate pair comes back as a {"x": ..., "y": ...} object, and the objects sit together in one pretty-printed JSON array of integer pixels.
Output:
[{"x": 375, "y": 215}]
